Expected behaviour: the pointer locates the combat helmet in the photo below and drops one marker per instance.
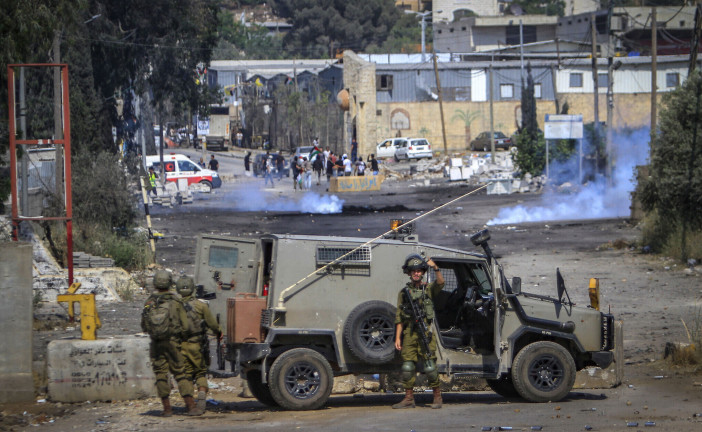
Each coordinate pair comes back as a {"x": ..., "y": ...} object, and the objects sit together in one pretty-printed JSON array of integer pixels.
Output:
[
  {"x": 185, "y": 286},
  {"x": 414, "y": 262},
  {"x": 162, "y": 280}
]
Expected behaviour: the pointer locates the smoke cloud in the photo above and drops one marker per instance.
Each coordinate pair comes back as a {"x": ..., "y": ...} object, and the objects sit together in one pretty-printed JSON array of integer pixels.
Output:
[
  {"x": 594, "y": 199},
  {"x": 252, "y": 198}
]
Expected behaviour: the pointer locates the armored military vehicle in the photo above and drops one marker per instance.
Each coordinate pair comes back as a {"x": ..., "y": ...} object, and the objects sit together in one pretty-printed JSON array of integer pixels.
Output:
[{"x": 301, "y": 310}]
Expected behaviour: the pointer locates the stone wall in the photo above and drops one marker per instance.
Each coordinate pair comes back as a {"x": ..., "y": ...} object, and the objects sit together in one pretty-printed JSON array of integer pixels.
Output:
[{"x": 359, "y": 79}]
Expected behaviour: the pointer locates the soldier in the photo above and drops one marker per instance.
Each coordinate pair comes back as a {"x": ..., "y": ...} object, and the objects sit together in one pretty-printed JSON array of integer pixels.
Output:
[
  {"x": 407, "y": 339},
  {"x": 164, "y": 319},
  {"x": 195, "y": 346}
]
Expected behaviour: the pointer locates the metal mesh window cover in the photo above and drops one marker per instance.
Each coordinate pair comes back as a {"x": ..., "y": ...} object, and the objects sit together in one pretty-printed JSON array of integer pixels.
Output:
[{"x": 359, "y": 256}]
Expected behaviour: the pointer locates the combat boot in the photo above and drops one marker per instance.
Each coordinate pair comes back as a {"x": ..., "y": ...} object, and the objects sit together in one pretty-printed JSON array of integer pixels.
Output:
[
  {"x": 438, "y": 401},
  {"x": 193, "y": 409},
  {"x": 202, "y": 398},
  {"x": 167, "y": 411},
  {"x": 407, "y": 402}
]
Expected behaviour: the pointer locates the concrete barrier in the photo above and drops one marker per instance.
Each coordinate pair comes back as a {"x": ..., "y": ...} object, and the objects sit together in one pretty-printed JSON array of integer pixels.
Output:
[
  {"x": 16, "y": 381},
  {"x": 356, "y": 183},
  {"x": 100, "y": 370}
]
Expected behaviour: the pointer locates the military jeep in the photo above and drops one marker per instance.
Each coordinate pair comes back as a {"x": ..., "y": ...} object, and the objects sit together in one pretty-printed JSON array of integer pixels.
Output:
[{"x": 301, "y": 310}]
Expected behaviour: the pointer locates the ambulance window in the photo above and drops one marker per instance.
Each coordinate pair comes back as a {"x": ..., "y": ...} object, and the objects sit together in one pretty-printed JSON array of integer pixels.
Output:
[
  {"x": 187, "y": 166},
  {"x": 223, "y": 257}
]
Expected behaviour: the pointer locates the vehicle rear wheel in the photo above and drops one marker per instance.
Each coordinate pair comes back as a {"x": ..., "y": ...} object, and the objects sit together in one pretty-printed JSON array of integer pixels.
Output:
[
  {"x": 260, "y": 391},
  {"x": 397, "y": 159},
  {"x": 543, "y": 371},
  {"x": 503, "y": 387},
  {"x": 207, "y": 185},
  {"x": 301, "y": 379},
  {"x": 370, "y": 332}
]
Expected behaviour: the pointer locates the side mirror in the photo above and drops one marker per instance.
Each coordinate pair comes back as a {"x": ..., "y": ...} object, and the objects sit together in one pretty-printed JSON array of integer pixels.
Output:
[{"x": 516, "y": 285}]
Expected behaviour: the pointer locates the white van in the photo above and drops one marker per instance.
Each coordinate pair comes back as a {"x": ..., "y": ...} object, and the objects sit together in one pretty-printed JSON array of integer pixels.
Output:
[{"x": 178, "y": 166}]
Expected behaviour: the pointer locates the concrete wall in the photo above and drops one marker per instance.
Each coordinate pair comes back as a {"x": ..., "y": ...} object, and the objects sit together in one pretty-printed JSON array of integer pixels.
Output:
[
  {"x": 16, "y": 382},
  {"x": 359, "y": 79}
]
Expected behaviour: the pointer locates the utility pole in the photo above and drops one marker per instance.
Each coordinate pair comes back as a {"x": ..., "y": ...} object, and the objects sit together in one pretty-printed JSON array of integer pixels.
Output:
[
  {"x": 696, "y": 35},
  {"x": 58, "y": 124},
  {"x": 24, "y": 167},
  {"x": 441, "y": 103},
  {"x": 521, "y": 49},
  {"x": 492, "y": 119},
  {"x": 596, "y": 89},
  {"x": 654, "y": 67},
  {"x": 610, "y": 95}
]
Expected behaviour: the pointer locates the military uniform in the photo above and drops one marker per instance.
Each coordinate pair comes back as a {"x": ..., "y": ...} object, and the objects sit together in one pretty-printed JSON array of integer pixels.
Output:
[
  {"x": 195, "y": 363},
  {"x": 412, "y": 350}
]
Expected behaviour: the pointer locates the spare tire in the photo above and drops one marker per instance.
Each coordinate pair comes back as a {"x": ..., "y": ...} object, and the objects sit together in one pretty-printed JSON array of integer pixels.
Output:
[{"x": 370, "y": 332}]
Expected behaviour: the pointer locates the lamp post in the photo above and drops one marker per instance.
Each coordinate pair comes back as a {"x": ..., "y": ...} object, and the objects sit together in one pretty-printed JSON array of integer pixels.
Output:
[{"x": 423, "y": 15}]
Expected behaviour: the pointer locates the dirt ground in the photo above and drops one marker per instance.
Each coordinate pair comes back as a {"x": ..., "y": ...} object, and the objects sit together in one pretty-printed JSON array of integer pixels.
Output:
[{"x": 650, "y": 294}]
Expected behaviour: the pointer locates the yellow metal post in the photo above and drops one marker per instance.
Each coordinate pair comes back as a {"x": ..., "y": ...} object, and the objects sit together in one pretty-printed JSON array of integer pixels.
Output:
[
  {"x": 89, "y": 320},
  {"x": 594, "y": 291}
]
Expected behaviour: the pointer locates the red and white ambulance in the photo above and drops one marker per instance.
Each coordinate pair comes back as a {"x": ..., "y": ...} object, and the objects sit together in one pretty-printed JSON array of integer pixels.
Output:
[{"x": 179, "y": 166}]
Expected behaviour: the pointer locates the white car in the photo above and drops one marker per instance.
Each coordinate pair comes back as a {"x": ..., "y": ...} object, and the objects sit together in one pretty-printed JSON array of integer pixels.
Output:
[
  {"x": 386, "y": 149},
  {"x": 414, "y": 148}
]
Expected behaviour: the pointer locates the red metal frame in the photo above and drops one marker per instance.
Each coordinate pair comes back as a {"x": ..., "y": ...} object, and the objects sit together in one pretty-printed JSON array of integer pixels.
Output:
[{"x": 65, "y": 142}]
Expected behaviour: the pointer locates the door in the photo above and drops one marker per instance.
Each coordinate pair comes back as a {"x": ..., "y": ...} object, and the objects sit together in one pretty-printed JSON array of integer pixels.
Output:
[
  {"x": 227, "y": 266},
  {"x": 189, "y": 171}
]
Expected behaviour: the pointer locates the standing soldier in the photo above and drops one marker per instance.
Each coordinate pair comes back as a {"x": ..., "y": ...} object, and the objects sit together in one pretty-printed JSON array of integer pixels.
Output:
[
  {"x": 407, "y": 338},
  {"x": 164, "y": 319},
  {"x": 196, "y": 347}
]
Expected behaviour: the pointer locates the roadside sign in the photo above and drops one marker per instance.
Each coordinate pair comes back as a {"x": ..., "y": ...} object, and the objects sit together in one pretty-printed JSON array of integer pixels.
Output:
[
  {"x": 562, "y": 126},
  {"x": 203, "y": 127}
]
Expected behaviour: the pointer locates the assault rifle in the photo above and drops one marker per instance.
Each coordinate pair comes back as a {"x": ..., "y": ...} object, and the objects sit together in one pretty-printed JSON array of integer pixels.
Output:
[
  {"x": 220, "y": 350},
  {"x": 204, "y": 343},
  {"x": 418, "y": 316}
]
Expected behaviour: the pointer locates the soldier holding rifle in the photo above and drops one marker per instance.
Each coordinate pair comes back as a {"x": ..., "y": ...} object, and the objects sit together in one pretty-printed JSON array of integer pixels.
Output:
[{"x": 413, "y": 338}]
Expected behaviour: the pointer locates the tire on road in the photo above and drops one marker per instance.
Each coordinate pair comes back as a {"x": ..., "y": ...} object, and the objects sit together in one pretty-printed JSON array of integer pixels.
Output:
[
  {"x": 301, "y": 379},
  {"x": 369, "y": 332},
  {"x": 543, "y": 371},
  {"x": 207, "y": 184},
  {"x": 260, "y": 390},
  {"x": 503, "y": 387}
]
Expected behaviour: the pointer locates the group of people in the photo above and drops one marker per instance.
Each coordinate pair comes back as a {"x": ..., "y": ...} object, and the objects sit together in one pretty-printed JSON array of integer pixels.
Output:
[
  {"x": 329, "y": 164},
  {"x": 177, "y": 325}
]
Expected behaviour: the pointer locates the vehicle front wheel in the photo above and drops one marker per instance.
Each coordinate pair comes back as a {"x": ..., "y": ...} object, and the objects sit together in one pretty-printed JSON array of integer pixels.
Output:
[
  {"x": 260, "y": 391},
  {"x": 207, "y": 185},
  {"x": 301, "y": 379},
  {"x": 543, "y": 371}
]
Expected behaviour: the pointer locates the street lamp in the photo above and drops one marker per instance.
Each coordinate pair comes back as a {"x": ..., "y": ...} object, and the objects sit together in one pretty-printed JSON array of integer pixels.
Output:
[{"x": 423, "y": 15}]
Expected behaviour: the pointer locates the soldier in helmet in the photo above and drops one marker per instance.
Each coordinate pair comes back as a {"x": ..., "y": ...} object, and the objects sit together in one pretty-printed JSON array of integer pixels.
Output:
[
  {"x": 164, "y": 319},
  {"x": 406, "y": 337},
  {"x": 195, "y": 346}
]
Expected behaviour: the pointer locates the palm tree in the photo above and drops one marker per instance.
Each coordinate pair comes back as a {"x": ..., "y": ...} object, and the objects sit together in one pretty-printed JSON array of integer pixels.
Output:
[{"x": 467, "y": 117}]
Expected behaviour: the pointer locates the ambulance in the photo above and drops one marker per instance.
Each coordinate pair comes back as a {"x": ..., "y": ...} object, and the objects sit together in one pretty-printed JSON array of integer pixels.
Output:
[{"x": 178, "y": 166}]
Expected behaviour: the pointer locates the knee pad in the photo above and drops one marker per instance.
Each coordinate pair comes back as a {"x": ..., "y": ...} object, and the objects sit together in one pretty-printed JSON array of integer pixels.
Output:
[
  {"x": 430, "y": 370},
  {"x": 407, "y": 370}
]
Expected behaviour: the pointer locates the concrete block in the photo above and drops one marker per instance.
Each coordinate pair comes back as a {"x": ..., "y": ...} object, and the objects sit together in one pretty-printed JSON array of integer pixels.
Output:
[
  {"x": 356, "y": 183},
  {"x": 182, "y": 184},
  {"x": 466, "y": 172},
  {"x": 102, "y": 370},
  {"x": 16, "y": 382},
  {"x": 499, "y": 187},
  {"x": 456, "y": 162},
  {"x": 455, "y": 174}
]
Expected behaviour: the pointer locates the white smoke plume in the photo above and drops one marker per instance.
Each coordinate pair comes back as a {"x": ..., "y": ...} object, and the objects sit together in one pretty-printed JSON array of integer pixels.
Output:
[
  {"x": 594, "y": 199},
  {"x": 252, "y": 198}
]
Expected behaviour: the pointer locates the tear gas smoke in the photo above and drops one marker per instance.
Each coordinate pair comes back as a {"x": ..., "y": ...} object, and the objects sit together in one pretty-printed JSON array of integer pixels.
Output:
[
  {"x": 252, "y": 198},
  {"x": 594, "y": 199}
]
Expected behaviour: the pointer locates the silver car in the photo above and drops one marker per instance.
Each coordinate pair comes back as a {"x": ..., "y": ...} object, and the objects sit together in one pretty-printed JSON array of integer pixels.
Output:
[
  {"x": 386, "y": 149},
  {"x": 414, "y": 148}
]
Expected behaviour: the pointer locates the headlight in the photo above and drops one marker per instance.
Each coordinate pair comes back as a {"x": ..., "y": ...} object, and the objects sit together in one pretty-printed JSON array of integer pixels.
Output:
[{"x": 214, "y": 174}]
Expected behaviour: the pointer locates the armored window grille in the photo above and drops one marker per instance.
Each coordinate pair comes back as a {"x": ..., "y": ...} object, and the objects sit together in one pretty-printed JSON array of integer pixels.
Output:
[{"x": 351, "y": 261}]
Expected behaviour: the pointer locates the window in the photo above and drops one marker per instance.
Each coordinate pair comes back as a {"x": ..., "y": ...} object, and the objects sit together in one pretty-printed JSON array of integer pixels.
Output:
[
  {"x": 537, "y": 91},
  {"x": 602, "y": 80},
  {"x": 576, "y": 79},
  {"x": 672, "y": 79},
  {"x": 378, "y": 112},
  {"x": 223, "y": 257},
  {"x": 506, "y": 91},
  {"x": 512, "y": 34},
  {"x": 383, "y": 82},
  {"x": 187, "y": 166}
]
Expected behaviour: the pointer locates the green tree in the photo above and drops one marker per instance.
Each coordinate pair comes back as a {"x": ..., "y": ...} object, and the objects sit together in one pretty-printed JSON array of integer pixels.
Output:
[
  {"x": 237, "y": 41},
  {"x": 531, "y": 157},
  {"x": 404, "y": 37},
  {"x": 673, "y": 190},
  {"x": 546, "y": 7}
]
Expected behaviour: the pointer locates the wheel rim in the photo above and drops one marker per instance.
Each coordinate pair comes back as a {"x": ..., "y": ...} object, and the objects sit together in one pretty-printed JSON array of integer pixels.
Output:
[
  {"x": 302, "y": 380},
  {"x": 546, "y": 373},
  {"x": 376, "y": 333}
]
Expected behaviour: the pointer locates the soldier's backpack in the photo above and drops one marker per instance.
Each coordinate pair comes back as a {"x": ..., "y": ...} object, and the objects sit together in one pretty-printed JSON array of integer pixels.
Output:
[
  {"x": 157, "y": 318},
  {"x": 195, "y": 322}
]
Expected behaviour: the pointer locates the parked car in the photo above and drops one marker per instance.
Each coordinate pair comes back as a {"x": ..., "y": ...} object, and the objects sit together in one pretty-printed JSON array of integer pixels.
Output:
[
  {"x": 303, "y": 151},
  {"x": 482, "y": 142},
  {"x": 386, "y": 149},
  {"x": 413, "y": 148},
  {"x": 257, "y": 165}
]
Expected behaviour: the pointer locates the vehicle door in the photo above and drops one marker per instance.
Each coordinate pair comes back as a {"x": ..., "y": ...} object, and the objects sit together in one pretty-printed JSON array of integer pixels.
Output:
[
  {"x": 385, "y": 149},
  {"x": 226, "y": 266},
  {"x": 189, "y": 171},
  {"x": 401, "y": 150}
]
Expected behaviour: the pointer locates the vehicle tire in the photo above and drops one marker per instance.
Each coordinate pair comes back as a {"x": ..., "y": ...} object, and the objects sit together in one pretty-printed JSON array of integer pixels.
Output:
[
  {"x": 207, "y": 184},
  {"x": 301, "y": 379},
  {"x": 503, "y": 387},
  {"x": 397, "y": 159},
  {"x": 543, "y": 371},
  {"x": 260, "y": 391},
  {"x": 370, "y": 332}
]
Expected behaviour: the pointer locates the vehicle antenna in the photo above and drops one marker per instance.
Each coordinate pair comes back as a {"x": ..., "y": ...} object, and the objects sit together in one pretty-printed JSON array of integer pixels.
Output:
[{"x": 281, "y": 297}]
